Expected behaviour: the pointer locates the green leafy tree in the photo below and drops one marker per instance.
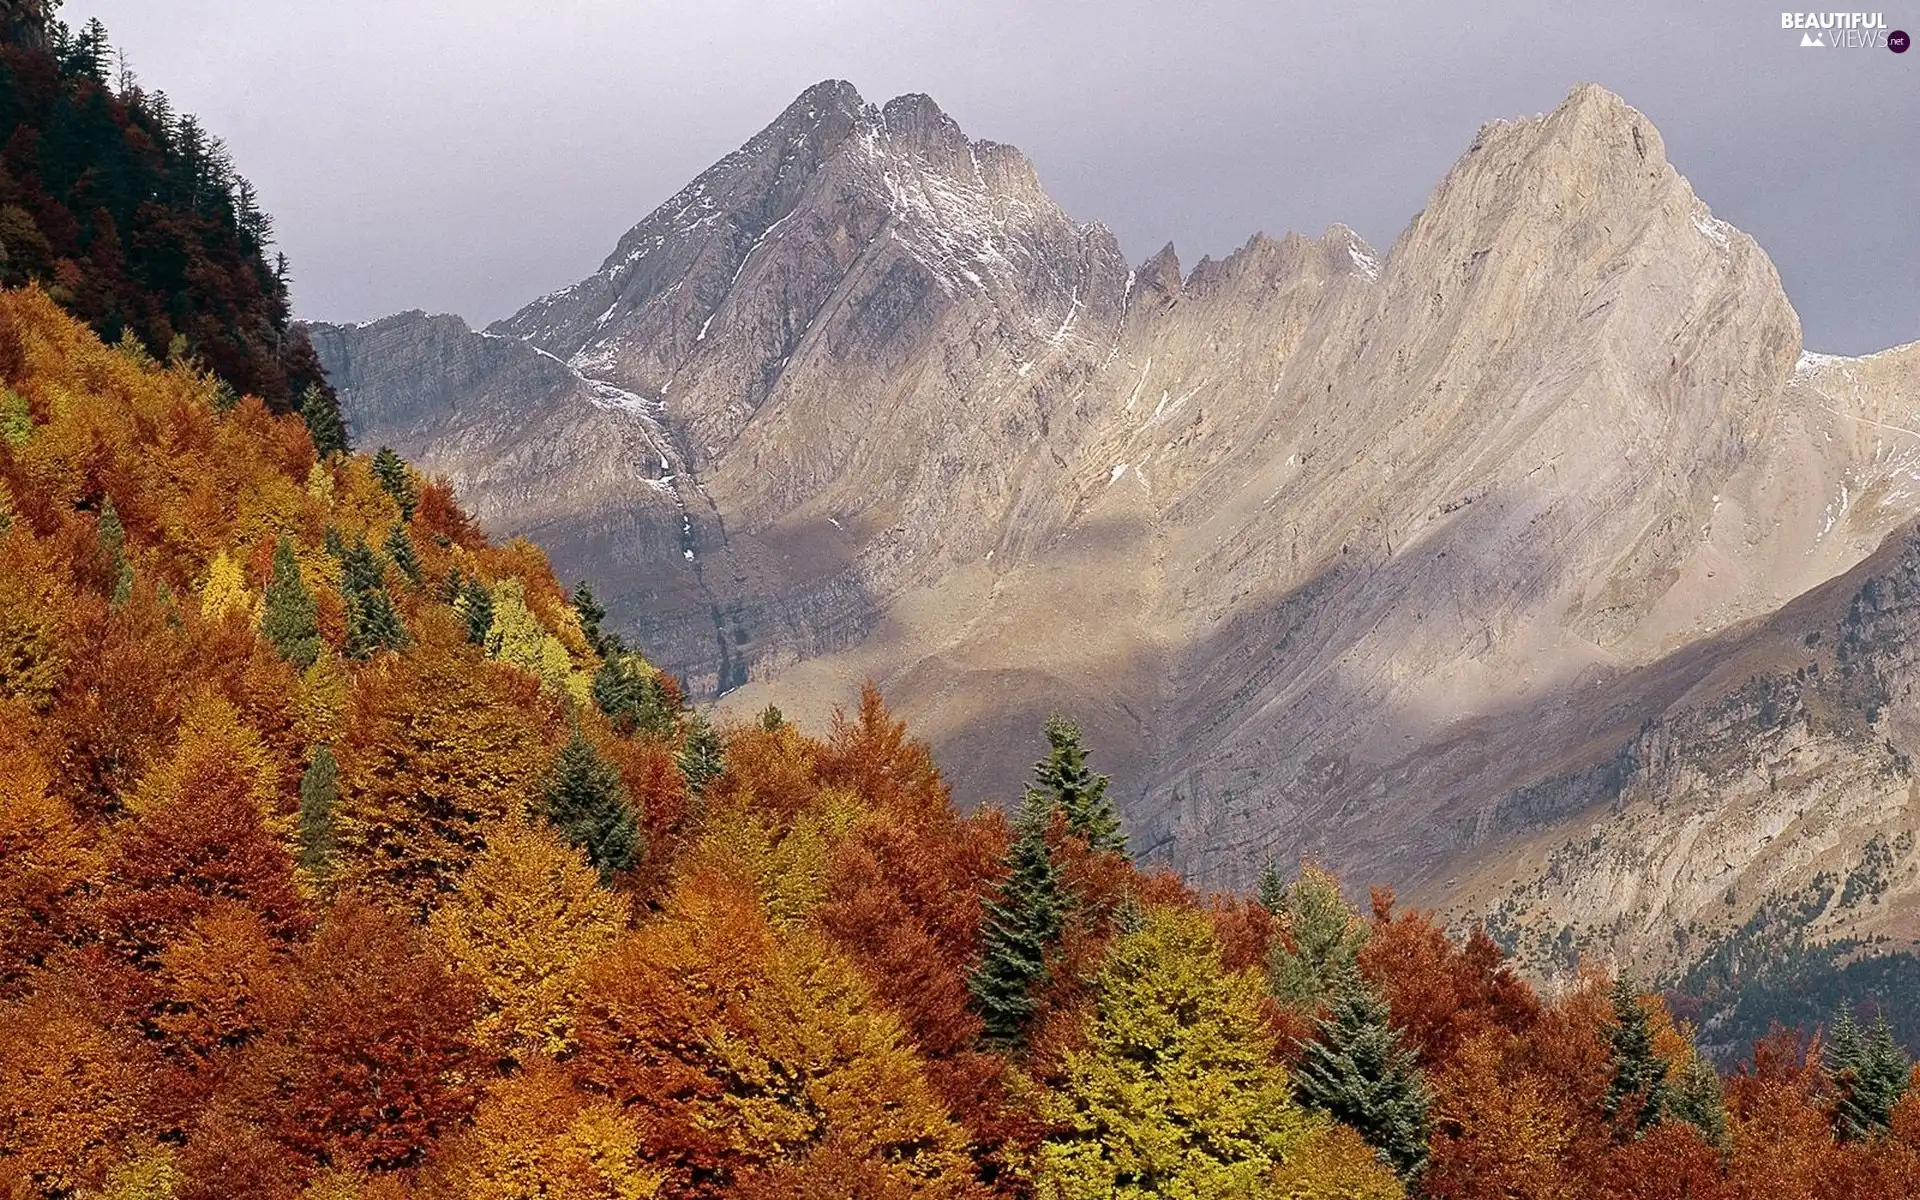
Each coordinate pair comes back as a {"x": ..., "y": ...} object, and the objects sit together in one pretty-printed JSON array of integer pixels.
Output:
[
  {"x": 1174, "y": 1092},
  {"x": 1064, "y": 779},
  {"x": 320, "y": 409},
  {"x": 401, "y": 553},
  {"x": 1639, "y": 1092},
  {"x": 1323, "y": 944},
  {"x": 587, "y": 803},
  {"x": 392, "y": 473},
  {"x": 1356, "y": 1070},
  {"x": 290, "y": 619},
  {"x": 1021, "y": 930},
  {"x": 703, "y": 756},
  {"x": 319, "y": 789},
  {"x": 1869, "y": 1073},
  {"x": 113, "y": 548}
]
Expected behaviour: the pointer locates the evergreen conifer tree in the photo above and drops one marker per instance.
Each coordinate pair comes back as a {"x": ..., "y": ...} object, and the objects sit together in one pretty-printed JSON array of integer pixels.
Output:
[
  {"x": 1356, "y": 1070},
  {"x": 113, "y": 547},
  {"x": 587, "y": 803},
  {"x": 1639, "y": 1092},
  {"x": 1062, "y": 777},
  {"x": 392, "y": 474},
  {"x": 1869, "y": 1073},
  {"x": 591, "y": 612},
  {"x": 1323, "y": 946},
  {"x": 333, "y": 543},
  {"x": 702, "y": 755},
  {"x": 1022, "y": 927},
  {"x": 772, "y": 718},
  {"x": 319, "y": 789},
  {"x": 320, "y": 408},
  {"x": 1696, "y": 1098},
  {"x": 475, "y": 603},
  {"x": 290, "y": 620},
  {"x": 400, "y": 550},
  {"x": 373, "y": 624},
  {"x": 1271, "y": 891}
]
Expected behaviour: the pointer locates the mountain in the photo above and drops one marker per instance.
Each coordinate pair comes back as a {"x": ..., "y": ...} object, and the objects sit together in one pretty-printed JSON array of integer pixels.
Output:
[{"x": 1334, "y": 552}]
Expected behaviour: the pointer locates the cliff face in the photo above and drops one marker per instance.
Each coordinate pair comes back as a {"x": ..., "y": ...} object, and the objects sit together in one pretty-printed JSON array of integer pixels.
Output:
[{"x": 1379, "y": 557}]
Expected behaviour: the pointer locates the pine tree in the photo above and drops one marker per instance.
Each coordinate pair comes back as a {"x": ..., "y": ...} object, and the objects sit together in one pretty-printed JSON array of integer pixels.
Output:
[
  {"x": 319, "y": 789},
  {"x": 1639, "y": 1092},
  {"x": 290, "y": 620},
  {"x": 400, "y": 550},
  {"x": 333, "y": 543},
  {"x": 475, "y": 603},
  {"x": 1271, "y": 891},
  {"x": 373, "y": 624},
  {"x": 1356, "y": 1070},
  {"x": 1063, "y": 778},
  {"x": 392, "y": 474},
  {"x": 771, "y": 718},
  {"x": 1697, "y": 1098},
  {"x": 1869, "y": 1073},
  {"x": 1324, "y": 942},
  {"x": 113, "y": 548},
  {"x": 320, "y": 408},
  {"x": 1021, "y": 929},
  {"x": 587, "y": 803},
  {"x": 702, "y": 755},
  {"x": 591, "y": 613}
]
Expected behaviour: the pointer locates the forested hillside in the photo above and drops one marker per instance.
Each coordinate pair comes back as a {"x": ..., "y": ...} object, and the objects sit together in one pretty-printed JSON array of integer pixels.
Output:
[
  {"x": 343, "y": 854},
  {"x": 133, "y": 217}
]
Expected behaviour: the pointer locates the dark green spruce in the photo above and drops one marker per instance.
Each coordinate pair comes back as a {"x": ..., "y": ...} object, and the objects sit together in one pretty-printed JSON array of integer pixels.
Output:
[
  {"x": 587, "y": 803},
  {"x": 319, "y": 789},
  {"x": 391, "y": 471},
  {"x": 703, "y": 756},
  {"x": 1639, "y": 1093},
  {"x": 1063, "y": 778},
  {"x": 290, "y": 619},
  {"x": 1869, "y": 1073},
  {"x": 373, "y": 623},
  {"x": 320, "y": 409},
  {"x": 1021, "y": 931},
  {"x": 1356, "y": 1070}
]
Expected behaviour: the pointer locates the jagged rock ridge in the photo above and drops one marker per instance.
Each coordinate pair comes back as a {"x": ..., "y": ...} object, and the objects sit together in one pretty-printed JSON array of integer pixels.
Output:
[{"x": 1315, "y": 540}]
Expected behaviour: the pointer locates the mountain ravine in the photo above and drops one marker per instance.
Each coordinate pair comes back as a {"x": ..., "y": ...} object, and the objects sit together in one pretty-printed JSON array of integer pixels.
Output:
[{"x": 1476, "y": 565}]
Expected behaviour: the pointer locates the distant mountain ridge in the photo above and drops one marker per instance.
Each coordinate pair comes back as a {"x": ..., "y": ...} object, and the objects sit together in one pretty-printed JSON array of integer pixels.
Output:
[{"x": 1333, "y": 551}]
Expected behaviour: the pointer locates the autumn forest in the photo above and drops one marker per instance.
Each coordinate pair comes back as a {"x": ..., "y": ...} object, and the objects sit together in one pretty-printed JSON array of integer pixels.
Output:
[{"x": 345, "y": 855}]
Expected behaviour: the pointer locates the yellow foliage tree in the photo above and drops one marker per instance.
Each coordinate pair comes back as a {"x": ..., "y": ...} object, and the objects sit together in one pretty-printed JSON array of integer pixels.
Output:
[
  {"x": 517, "y": 637},
  {"x": 225, "y": 590},
  {"x": 1175, "y": 1093},
  {"x": 1335, "y": 1163},
  {"x": 535, "y": 1136},
  {"x": 529, "y": 913},
  {"x": 153, "y": 1175}
]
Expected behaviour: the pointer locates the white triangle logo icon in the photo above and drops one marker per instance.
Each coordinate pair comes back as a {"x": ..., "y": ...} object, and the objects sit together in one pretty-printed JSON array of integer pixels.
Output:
[{"x": 1813, "y": 39}]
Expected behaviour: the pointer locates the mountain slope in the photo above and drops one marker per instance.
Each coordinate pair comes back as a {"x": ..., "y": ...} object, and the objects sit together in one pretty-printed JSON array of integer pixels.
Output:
[{"x": 1329, "y": 550}]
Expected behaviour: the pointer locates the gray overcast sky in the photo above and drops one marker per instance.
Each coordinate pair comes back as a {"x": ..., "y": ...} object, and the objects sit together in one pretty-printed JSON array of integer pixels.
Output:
[{"x": 469, "y": 155}]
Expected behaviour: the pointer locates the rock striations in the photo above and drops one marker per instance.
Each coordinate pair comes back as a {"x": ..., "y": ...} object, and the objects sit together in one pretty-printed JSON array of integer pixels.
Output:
[{"x": 1390, "y": 558}]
